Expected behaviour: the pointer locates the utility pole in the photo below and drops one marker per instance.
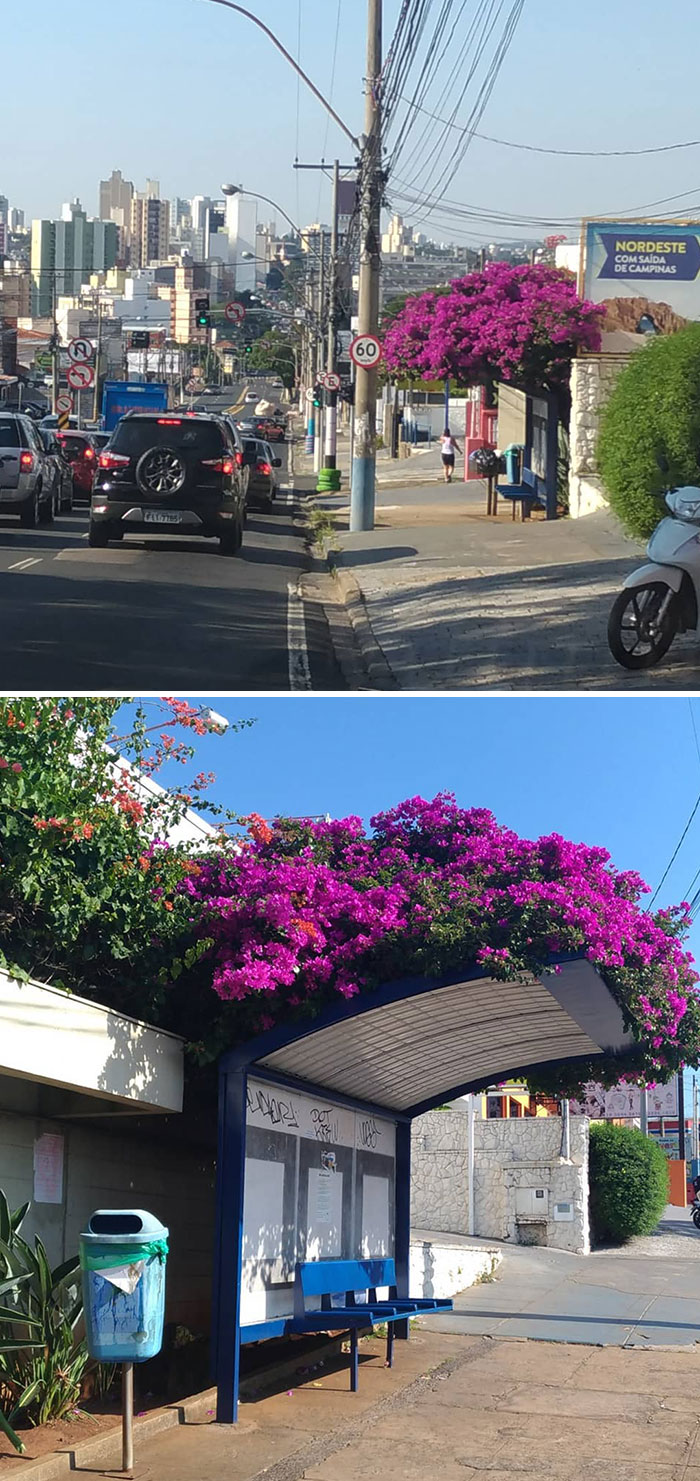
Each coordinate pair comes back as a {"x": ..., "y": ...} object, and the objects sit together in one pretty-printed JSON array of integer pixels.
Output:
[
  {"x": 98, "y": 359},
  {"x": 364, "y": 461},
  {"x": 55, "y": 350},
  {"x": 332, "y": 483},
  {"x": 681, "y": 1117}
]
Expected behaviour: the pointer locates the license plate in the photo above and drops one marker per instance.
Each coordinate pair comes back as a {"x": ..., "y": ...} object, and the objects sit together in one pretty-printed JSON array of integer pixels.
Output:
[{"x": 162, "y": 516}]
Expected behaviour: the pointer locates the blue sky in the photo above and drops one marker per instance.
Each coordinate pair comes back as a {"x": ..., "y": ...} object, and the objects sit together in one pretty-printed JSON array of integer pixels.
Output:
[{"x": 191, "y": 94}]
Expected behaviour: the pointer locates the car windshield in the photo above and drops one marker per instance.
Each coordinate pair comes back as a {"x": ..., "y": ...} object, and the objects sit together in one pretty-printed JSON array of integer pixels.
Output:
[
  {"x": 9, "y": 434},
  {"x": 134, "y": 436},
  {"x": 74, "y": 446}
]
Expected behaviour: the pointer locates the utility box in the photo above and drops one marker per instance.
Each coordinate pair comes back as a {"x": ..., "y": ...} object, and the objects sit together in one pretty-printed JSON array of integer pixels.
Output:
[
  {"x": 531, "y": 1205},
  {"x": 123, "y": 1254}
]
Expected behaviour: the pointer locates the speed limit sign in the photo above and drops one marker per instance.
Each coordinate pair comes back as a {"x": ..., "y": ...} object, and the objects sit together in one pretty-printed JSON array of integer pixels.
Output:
[
  {"x": 331, "y": 381},
  {"x": 366, "y": 351}
]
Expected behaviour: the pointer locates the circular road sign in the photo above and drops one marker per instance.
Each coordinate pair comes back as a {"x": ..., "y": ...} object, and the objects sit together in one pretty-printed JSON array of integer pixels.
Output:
[
  {"x": 332, "y": 381},
  {"x": 64, "y": 402},
  {"x": 310, "y": 394},
  {"x": 366, "y": 351},
  {"x": 235, "y": 312},
  {"x": 80, "y": 351},
  {"x": 80, "y": 376},
  {"x": 194, "y": 385}
]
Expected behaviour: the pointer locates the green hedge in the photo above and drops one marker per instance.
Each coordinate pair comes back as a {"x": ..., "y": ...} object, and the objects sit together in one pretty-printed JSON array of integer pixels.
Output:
[
  {"x": 628, "y": 1182},
  {"x": 654, "y": 407}
]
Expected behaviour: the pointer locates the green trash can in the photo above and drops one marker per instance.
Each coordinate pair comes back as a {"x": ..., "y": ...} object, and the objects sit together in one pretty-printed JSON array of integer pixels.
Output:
[{"x": 123, "y": 1254}]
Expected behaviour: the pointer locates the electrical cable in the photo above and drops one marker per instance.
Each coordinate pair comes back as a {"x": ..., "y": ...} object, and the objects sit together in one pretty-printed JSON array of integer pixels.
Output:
[
  {"x": 675, "y": 853},
  {"x": 331, "y": 99},
  {"x": 569, "y": 153}
]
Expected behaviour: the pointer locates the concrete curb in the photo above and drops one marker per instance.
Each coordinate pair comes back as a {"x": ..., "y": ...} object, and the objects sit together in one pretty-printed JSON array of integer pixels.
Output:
[
  {"x": 373, "y": 655},
  {"x": 106, "y": 1450}
]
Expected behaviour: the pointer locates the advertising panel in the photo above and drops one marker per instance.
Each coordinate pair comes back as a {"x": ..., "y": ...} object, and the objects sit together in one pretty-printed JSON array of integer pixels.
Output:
[
  {"x": 623, "y": 1101},
  {"x": 646, "y": 275}
]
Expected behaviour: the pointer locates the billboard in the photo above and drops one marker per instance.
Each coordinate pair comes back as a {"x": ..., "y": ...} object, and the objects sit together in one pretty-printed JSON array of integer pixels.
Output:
[
  {"x": 646, "y": 275},
  {"x": 623, "y": 1101}
]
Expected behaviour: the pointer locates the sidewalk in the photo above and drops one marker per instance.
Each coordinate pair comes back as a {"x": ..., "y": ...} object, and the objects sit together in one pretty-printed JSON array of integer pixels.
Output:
[{"x": 452, "y": 599}]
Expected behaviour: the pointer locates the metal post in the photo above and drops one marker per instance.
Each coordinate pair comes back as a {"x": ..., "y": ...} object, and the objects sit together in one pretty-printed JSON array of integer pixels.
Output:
[
  {"x": 55, "y": 351},
  {"x": 681, "y": 1117},
  {"x": 228, "y": 1255},
  {"x": 127, "y": 1416},
  {"x": 565, "y": 1132},
  {"x": 364, "y": 462},
  {"x": 98, "y": 358},
  {"x": 470, "y": 1159},
  {"x": 330, "y": 459},
  {"x": 696, "y": 1147},
  {"x": 402, "y": 1229},
  {"x": 643, "y": 1111},
  {"x": 447, "y": 403}
]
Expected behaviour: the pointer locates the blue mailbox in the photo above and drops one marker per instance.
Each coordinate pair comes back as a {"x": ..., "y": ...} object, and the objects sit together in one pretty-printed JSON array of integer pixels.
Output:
[{"x": 123, "y": 1254}]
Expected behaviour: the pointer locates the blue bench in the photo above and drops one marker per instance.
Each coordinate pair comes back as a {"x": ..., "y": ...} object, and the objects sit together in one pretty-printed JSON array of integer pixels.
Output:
[
  {"x": 316, "y": 1281},
  {"x": 523, "y": 494}
]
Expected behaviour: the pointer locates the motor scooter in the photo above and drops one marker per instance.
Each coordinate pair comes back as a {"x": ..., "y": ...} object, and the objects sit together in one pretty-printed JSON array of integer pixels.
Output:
[
  {"x": 695, "y": 1206},
  {"x": 661, "y": 598}
]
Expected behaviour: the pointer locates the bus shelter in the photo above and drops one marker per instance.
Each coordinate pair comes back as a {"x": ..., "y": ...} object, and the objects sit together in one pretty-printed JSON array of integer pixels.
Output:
[{"x": 314, "y": 1155}]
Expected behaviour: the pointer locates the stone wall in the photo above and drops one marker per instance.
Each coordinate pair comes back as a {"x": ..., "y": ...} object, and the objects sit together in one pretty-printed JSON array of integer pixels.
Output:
[
  {"x": 592, "y": 380},
  {"x": 511, "y": 1160}
]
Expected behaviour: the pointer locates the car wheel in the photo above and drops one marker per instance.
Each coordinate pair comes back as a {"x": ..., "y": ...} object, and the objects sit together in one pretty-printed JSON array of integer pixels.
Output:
[
  {"x": 98, "y": 536},
  {"x": 29, "y": 516}
]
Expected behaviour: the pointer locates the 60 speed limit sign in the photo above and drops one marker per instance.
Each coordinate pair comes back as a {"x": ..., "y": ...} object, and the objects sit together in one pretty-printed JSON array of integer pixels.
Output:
[{"x": 366, "y": 351}]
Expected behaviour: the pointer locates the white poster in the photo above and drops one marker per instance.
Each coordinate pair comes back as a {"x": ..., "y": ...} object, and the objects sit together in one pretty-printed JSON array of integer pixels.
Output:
[
  {"x": 324, "y": 1214},
  {"x": 376, "y": 1237},
  {"x": 48, "y": 1168}
]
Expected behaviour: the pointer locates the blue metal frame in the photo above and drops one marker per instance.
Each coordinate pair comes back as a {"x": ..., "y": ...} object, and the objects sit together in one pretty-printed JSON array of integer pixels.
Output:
[{"x": 233, "y": 1077}]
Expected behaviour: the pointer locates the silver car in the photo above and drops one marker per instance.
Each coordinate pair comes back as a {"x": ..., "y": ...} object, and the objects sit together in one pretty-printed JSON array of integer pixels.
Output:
[{"x": 27, "y": 476}]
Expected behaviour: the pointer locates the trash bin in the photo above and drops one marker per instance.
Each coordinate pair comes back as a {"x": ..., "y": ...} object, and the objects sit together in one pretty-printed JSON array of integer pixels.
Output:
[
  {"x": 513, "y": 456},
  {"x": 123, "y": 1254}
]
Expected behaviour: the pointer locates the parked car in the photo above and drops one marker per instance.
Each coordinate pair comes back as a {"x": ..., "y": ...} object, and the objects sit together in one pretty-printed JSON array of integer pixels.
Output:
[
  {"x": 263, "y": 483},
  {"x": 80, "y": 453},
  {"x": 27, "y": 476},
  {"x": 175, "y": 475},
  {"x": 62, "y": 473}
]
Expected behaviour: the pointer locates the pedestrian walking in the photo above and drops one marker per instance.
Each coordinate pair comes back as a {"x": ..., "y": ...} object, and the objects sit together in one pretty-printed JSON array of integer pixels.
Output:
[{"x": 450, "y": 446}]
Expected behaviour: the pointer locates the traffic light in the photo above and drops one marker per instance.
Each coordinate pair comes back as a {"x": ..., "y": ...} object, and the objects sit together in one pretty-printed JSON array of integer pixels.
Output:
[
  {"x": 201, "y": 308},
  {"x": 249, "y": 349},
  {"x": 318, "y": 394}
]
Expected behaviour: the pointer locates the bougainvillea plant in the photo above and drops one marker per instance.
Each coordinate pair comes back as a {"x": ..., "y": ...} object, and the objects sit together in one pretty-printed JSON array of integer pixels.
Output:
[
  {"x": 506, "y": 323},
  {"x": 89, "y": 857},
  {"x": 309, "y": 912}
]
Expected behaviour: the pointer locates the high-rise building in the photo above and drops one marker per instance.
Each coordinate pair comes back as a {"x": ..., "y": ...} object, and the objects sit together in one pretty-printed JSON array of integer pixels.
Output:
[
  {"x": 64, "y": 253},
  {"x": 16, "y": 221},
  {"x": 116, "y": 194},
  {"x": 4, "y": 210},
  {"x": 150, "y": 228},
  {"x": 241, "y": 225}
]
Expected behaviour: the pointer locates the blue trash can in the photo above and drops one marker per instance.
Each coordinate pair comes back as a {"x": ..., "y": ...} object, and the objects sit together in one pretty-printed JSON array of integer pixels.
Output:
[
  {"x": 123, "y": 1254},
  {"x": 513, "y": 456}
]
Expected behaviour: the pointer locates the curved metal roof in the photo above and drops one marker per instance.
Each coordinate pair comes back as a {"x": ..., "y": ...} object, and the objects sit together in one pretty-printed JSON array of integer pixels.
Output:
[{"x": 416, "y": 1043}]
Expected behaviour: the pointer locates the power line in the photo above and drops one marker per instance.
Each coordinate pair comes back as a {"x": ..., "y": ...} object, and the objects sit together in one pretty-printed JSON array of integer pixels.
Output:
[
  {"x": 675, "y": 853},
  {"x": 575, "y": 153}
]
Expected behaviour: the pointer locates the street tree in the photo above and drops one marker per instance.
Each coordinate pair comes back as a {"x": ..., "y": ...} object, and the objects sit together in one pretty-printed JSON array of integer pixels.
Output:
[{"x": 521, "y": 324}]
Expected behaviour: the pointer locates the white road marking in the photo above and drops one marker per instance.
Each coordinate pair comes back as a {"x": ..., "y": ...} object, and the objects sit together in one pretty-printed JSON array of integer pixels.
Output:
[
  {"x": 31, "y": 560},
  {"x": 298, "y": 653}
]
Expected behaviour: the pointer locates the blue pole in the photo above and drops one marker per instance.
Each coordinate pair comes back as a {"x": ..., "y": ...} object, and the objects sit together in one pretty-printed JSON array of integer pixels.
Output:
[
  {"x": 402, "y": 1227},
  {"x": 230, "y": 1182}
]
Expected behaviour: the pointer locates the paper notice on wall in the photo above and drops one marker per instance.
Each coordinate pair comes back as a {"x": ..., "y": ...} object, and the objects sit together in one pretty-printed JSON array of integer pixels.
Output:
[
  {"x": 48, "y": 1168},
  {"x": 324, "y": 1197}
]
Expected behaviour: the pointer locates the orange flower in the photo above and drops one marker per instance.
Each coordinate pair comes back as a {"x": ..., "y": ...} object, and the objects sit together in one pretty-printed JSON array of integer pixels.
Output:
[
  {"x": 168, "y": 904},
  {"x": 88, "y": 830}
]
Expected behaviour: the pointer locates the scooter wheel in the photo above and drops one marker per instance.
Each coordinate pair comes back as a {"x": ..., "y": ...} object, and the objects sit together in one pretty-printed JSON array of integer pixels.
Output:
[
  {"x": 638, "y": 635},
  {"x": 696, "y": 1217}
]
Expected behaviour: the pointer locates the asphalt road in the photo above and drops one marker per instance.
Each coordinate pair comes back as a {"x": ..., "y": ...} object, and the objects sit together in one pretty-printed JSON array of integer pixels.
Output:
[{"x": 161, "y": 613}]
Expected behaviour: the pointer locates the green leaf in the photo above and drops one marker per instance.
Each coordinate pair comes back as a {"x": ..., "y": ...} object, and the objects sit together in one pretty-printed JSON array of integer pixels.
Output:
[
  {"x": 28, "y": 1394},
  {"x": 14, "y": 1439},
  {"x": 62, "y": 1272},
  {"x": 15, "y": 1314},
  {"x": 17, "y": 1218}
]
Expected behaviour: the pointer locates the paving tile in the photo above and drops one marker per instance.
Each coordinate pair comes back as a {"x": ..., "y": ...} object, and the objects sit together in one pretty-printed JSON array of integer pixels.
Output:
[{"x": 577, "y": 1403}]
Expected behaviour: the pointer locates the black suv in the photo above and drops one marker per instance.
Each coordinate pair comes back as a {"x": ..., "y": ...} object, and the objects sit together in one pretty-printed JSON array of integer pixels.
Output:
[{"x": 179, "y": 475}]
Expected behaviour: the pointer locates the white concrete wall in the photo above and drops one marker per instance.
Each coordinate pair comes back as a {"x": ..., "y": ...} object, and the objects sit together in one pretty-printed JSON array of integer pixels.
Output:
[
  {"x": 58, "y": 1039},
  {"x": 510, "y": 1156},
  {"x": 120, "y": 1168},
  {"x": 439, "y": 1268},
  {"x": 592, "y": 380}
]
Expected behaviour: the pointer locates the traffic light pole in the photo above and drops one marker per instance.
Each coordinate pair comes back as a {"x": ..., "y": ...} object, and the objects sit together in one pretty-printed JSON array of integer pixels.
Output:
[{"x": 362, "y": 496}]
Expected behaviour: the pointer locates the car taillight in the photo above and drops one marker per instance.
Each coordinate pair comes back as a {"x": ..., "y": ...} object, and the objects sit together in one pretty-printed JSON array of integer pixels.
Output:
[
  {"x": 169, "y": 421},
  {"x": 218, "y": 465},
  {"x": 88, "y": 454},
  {"x": 239, "y": 459},
  {"x": 112, "y": 460},
  {"x": 263, "y": 468},
  {"x": 26, "y": 462}
]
